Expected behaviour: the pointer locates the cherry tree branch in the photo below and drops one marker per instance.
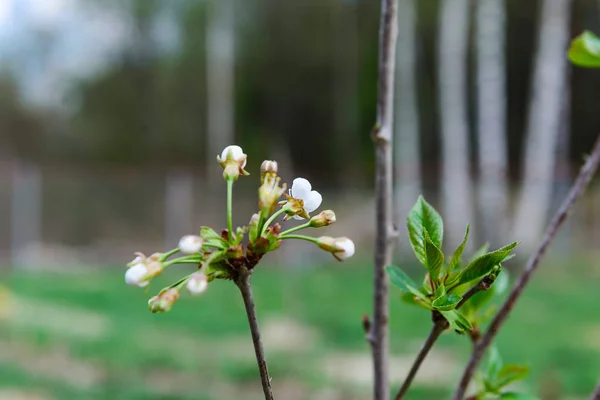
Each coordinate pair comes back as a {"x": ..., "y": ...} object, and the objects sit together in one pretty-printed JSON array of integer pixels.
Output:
[
  {"x": 578, "y": 188},
  {"x": 382, "y": 137},
  {"x": 243, "y": 283}
]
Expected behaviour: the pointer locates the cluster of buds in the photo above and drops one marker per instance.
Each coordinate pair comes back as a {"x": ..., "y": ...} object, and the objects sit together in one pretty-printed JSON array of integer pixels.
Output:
[{"x": 220, "y": 255}]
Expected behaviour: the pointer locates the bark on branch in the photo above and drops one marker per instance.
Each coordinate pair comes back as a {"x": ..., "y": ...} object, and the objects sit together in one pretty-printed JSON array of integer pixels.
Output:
[
  {"x": 382, "y": 137},
  {"x": 578, "y": 188},
  {"x": 243, "y": 283}
]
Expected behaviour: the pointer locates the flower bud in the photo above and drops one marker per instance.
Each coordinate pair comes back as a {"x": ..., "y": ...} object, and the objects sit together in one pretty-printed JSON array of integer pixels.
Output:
[
  {"x": 253, "y": 227},
  {"x": 190, "y": 244},
  {"x": 140, "y": 258},
  {"x": 269, "y": 193},
  {"x": 164, "y": 301},
  {"x": 324, "y": 218},
  {"x": 233, "y": 161},
  {"x": 268, "y": 167},
  {"x": 340, "y": 248},
  {"x": 197, "y": 284},
  {"x": 137, "y": 275}
]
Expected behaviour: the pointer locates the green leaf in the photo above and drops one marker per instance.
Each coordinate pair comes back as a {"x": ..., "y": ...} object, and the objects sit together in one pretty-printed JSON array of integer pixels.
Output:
[
  {"x": 212, "y": 238},
  {"x": 511, "y": 373},
  {"x": 403, "y": 281},
  {"x": 423, "y": 217},
  {"x": 484, "y": 264},
  {"x": 457, "y": 321},
  {"x": 435, "y": 258},
  {"x": 501, "y": 283},
  {"x": 447, "y": 302},
  {"x": 409, "y": 298},
  {"x": 517, "y": 396},
  {"x": 458, "y": 252},
  {"x": 585, "y": 50},
  {"x": 439, "y": 292}
]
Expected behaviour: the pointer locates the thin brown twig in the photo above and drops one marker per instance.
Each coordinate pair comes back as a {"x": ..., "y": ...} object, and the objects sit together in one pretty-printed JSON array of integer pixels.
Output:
[
  {"x": 596, "y": 394},
  {"x": 382, "y": 137},
  {"x": 440, "y": 324},
  {"x": 243, "y": 283},
  {"x": 578, "y": 188}
]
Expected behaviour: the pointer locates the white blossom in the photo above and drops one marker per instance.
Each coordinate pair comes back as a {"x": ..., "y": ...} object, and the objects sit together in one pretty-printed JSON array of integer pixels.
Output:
[
  {"x": 197, "y": 284},
  {"x": 302, "y": 190},
  {"x": 344, "y": 248},
  {"x": 235, "y": 152}
]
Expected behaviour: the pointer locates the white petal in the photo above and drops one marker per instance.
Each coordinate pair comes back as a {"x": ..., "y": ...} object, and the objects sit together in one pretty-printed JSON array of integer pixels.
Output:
[
  {"x": 197, "y": 284},
  {"x": 299, "y": 218},
  {"x": 236, "y": 150},
  {"x": 312, "y": 201},
  {"x": 135, "y": 275},
  {"x": 300, "y": 188}
]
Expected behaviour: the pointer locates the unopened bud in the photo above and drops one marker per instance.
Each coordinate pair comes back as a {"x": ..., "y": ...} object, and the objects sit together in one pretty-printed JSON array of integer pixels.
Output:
[
  {"x": 233, "y": 161},
  {"x": 253, "y": 227},
  {"x": 268, "y": 167},
  {"x": 190, "y": 244},
  {"x": 324, "y": 218},
  {"x": 340, "y": 248},
  {"x": 137, "y": 275},
  {"x": 197, "y": 284},
  {"x": 164, "y": 301}
]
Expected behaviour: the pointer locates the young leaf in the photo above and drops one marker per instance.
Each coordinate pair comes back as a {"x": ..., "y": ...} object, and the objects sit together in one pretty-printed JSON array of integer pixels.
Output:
[
  {"x": 403, "y": 281},
  {"x": 447, "y": 302},
  {"x": 440, "y": 292},
  {"x": 435, "y": 258},
  {"x": 511, "y": 373},
  {"x": 494, "y": 364},
  {"x": 585, "y": 50},
  {"x": 457, "y": 321},
  {"x": 424, "y": 217},
  {"x": 484, "y": 264},
  {"x": 458, "y": 252}
]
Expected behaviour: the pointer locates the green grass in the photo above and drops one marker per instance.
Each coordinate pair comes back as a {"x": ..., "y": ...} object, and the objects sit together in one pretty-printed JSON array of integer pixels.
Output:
[{"x": 201, "y": 349}]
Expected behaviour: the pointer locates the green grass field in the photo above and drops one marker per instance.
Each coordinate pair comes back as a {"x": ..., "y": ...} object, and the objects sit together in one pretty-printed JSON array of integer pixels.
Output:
[{"x": 86, "y": 335}]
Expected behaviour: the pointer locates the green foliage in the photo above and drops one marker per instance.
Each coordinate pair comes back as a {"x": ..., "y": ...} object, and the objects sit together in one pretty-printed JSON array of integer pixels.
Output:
[
  {"x": 585, "y": 50},
  {"x": 494, "y": 376},
  {"x": 483, "y": 265},
  {"x": 424, "y": 219},
  {"x": 443, "y": 287}
]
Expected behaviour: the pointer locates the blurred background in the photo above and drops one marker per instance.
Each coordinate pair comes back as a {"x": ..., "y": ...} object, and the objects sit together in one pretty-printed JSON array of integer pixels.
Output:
[{"x": 112, "y": 113}]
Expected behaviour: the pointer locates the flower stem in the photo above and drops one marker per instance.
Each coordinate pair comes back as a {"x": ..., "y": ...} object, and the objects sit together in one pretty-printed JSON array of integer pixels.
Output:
[
  {"x": 243, "y": 283},
  {"x": 301, "y": 237},
  {"x": 183, "y": 260},
  {"x": 169, "y": 254},
  {"x": 229, "y": 210},
  {"x": 272, "y": 218},
  {"x": 296, "y": 228}
]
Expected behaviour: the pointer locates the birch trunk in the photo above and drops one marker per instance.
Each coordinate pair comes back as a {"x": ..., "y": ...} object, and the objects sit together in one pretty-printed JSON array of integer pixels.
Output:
[
  {"x": 491, "y": 121},
  {"x": 407, "y": 149},
  {"x": 544, "y": 122},
  {"x": 456, "y": 182},
  {"x": 220, "y": 48}
]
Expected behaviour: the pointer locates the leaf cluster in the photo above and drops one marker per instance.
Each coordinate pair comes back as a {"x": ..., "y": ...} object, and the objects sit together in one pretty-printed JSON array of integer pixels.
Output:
[{"x": 447, "y": 278}]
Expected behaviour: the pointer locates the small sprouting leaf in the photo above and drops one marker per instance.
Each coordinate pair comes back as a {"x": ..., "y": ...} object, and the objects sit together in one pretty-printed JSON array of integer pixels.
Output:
[
  {"x": 517, "y": 396},
  {"x": 457, "y": 321},
  {"x": 403, "y": 281},
  {"x": 458, "y": 252},
  {"x": 410, "y": 298},
  {"x": 501, "y": 283},
  {"x": 585, "y": 50},
  {"x": 447, "y": 302},
  {"x": 435, "y": 258},
  {"x": 212, "y": 238},
  {"x": 424, "y": 217},
  {"x": 511, "y": 373},
  {"x": 484, "y": 264},
  {"x": 439, "y": 292},
  {"x": 494, "y": 364}
]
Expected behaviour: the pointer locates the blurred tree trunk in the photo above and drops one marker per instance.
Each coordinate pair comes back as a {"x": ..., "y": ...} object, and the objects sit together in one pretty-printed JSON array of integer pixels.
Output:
[
  {"x": 25, "y": 213},
  {"x": 179, "y": 206},
  {"x": 220, "y": 49},
  {"x": 452, "y": 69},
  {"x": 407, "y": 148},
  {"x": 544, "y": 121},
  {"x": 346, "y": 110},
  {"x": 491, "y": 121}
]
